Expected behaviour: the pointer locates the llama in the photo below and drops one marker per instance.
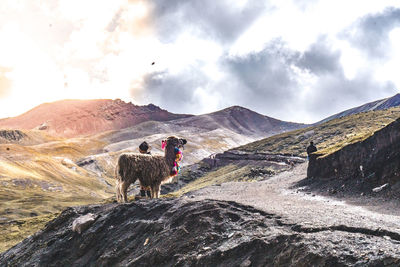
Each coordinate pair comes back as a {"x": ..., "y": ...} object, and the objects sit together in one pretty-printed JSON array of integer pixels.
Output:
[{"x": 152, "y": 171}]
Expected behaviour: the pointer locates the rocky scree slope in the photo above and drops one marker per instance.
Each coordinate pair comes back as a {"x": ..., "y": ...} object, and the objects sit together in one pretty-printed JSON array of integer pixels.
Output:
[
  {"x": 361, "y": 166},
  {"x": 197, "y": 233},
  {"x": 240, "y": 120}
]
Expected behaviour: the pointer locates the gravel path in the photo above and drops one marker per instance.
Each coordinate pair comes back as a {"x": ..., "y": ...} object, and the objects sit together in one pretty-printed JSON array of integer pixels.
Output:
[{"x": 311, "y": 212}]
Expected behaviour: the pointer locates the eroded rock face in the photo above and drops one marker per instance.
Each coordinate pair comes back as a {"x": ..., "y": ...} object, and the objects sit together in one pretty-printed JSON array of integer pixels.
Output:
[
  {"x": 180, "y": 232},
  {"x": 364, "y": 165},
  {"x": 12, "y": 135}
]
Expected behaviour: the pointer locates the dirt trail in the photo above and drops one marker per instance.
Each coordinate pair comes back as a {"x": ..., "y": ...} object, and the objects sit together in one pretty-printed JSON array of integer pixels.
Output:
[{"x": 308, "y": 211}]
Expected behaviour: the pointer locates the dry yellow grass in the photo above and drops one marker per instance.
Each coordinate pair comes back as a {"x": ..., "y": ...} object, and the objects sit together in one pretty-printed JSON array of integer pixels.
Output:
[
  {"x": 13, "y": 232},
  {"x": 329, "y": 136},
  {"x": 41, "y": 179}
]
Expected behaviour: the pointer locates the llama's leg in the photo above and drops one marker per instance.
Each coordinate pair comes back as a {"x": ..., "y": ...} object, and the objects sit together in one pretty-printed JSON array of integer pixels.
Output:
[
  {"x": 155, "y": 191},
  {"x": 124, "y": 190},
  {"x": 158, "y": 191},
  {"x": 121, "y": 193},
  {"x": 117, "y": 192}
]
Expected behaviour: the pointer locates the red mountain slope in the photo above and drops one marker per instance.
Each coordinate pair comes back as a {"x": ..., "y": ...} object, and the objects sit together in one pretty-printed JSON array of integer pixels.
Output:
[{"x": 70, "y": 118}]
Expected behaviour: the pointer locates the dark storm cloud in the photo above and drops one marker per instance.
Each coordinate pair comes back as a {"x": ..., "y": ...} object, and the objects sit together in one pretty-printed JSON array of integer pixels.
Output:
[
  {"x": 208, "y": 18},
  {"x": 174, "y": 92},
  {"x": 333, "y": 91},
  {"x": 263, "y": 81},
  {"x": 371, "y": 32},
  {"x": 267, "y": 81},
  {"x": 319, "y": 59}
]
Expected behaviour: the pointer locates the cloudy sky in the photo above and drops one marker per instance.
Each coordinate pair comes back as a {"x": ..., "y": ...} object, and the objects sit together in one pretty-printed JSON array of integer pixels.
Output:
[{"x": 299, "y": 60}]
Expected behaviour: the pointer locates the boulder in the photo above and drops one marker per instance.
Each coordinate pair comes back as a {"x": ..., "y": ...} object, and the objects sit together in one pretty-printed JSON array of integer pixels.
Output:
[{"x": 82, "y": 223}]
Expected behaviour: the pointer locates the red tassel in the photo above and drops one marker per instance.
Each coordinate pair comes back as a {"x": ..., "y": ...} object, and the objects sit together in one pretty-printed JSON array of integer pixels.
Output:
[{"x": 163, "y": 144}]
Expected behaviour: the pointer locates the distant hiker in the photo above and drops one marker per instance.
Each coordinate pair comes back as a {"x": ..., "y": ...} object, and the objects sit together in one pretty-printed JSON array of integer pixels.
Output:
[
  {"x": 144, "y": 148},
  {"x": 311, "y": 149}
]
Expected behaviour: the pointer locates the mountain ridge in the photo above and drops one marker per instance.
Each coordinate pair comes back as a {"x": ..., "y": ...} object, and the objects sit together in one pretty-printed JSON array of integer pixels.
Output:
[
  {"x": 71, "y": 118},
  {"x": 380, "y": 104},
  {"x": 74, "y": 118},
  {"x": 241, "y": 120}
]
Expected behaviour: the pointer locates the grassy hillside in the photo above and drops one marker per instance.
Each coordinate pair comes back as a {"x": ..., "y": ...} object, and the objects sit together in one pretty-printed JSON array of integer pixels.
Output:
[
  {"x": 42, "y": 179},
  {"x": 39, "y": 180},
  {"x": 13, "y": 232},
  {"x": 328, "y": 137}
]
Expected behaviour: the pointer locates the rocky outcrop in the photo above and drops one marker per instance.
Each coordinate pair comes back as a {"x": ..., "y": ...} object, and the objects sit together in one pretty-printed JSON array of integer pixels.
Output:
[
  {"x": 82, "y": 223},
  {"x": 12, "y": 135},
  {"x": 178, "y": 232},
  {"x": 364, "y": 165}
]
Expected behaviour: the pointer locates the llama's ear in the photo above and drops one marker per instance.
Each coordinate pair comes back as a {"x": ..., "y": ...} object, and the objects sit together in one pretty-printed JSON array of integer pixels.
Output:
[{"x": 163, "y": 144}]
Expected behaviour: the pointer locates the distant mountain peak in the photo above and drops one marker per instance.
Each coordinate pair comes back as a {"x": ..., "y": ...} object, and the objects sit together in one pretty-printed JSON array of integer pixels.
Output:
[
  {"x": 236, "y": 107},
  {"x": 235, "y": 110},
  {"x": 381, "y": 104},
  {"x": 240, "y": 120}
]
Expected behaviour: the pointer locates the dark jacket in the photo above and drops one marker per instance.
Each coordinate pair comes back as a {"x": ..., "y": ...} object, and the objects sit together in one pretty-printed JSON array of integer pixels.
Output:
[{"x": 311, "y": 149}]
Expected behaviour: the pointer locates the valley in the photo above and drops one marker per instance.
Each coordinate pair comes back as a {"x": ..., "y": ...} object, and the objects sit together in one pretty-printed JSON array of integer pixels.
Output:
[
  {"x": 42, "y": 174},
  {"x": 232, "y": 155}
]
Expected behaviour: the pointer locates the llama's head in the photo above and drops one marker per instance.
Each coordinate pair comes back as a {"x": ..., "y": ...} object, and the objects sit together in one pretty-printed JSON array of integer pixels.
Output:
[{"x": 171, "y": 144}]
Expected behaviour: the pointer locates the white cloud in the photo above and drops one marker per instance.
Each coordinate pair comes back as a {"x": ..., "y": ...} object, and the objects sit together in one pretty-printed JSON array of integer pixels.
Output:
[
  {"x": 390, "y": 69},
  {"x": 351, "y": 59}
]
